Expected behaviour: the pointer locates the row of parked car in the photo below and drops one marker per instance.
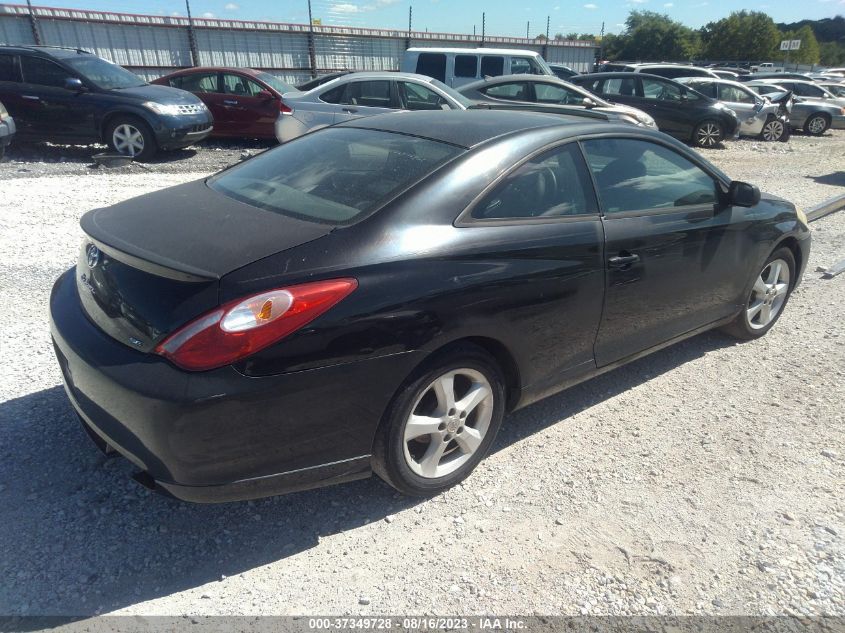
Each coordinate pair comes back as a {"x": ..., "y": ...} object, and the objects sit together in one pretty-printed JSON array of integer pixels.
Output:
[{"x": 69, "y": 95}]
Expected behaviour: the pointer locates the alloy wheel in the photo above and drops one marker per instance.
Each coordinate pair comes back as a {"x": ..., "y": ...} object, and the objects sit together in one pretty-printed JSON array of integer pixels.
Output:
[
  {"x": 128, "y": 139},
  {"x": 773, "y": 130},
  {"x": 709, "y": 134},
  {"x": 768, "y": 294},
  {"x": 817, "y": 125},
  {"x": 448, "y": 423}
]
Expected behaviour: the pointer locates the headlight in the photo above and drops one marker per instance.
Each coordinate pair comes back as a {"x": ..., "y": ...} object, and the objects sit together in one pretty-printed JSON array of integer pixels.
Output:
[
  {"x": 802, "y": 217},
  {"x": 170, "y": 109}
]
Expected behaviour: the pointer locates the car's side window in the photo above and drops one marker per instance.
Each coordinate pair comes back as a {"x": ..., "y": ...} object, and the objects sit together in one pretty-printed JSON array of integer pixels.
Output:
[
  {"x": 7, "y": 68},
  {"x": 623, "y": 87},
  {"x": 807, "y": 90},
  {"x": 553, "y": 184},
  {"x": 374, "y": 94},
  {"x": 492, "y": 66},
  {"x": 707, "y": 88},
  {"x": 196, "y": 82},
  {"x": 552, "y": 93},
  {"x": 734, "y": 94},
  {"x": 419, "y": 97},
  {"x": 43, "y": 72},
  {"x": 432, "y": 65},
  {"x": 240, "y": 86},
  {"x": 466, "y": 65},
  {"x": 515, "y": 91},
  {"x": 660, "y": 90},
  {"x": 521, "y": 66},
  {"x": 334, "y": 95},
  {"x": 634, "y": 175}
]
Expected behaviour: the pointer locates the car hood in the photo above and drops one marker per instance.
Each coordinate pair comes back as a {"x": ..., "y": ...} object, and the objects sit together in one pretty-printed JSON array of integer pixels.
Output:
[
  {"x": 159, "y": 94},
  {"x": 195, "y": 230}
]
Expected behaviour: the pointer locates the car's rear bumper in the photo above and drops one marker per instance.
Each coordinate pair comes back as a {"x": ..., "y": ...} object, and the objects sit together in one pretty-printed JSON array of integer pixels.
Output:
[{"x": 220, "y": 435}]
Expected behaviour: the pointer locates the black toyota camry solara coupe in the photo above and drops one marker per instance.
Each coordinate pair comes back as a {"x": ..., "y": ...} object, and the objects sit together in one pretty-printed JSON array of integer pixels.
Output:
[{"x": 375, "y": 296}]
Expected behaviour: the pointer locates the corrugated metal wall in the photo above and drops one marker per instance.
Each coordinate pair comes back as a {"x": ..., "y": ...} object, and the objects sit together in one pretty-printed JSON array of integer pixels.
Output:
[{"x": 156, "y": 45}]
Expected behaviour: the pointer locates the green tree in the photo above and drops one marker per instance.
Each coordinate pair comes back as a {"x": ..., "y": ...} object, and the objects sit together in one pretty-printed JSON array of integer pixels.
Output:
[
  {"x": 742, "y": 36},
  {"x": 832, "y": 54},
  {"x": 650, "y": 36}
]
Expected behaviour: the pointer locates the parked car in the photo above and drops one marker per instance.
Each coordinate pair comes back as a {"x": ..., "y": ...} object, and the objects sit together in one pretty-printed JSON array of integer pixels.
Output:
[
  {"x": 66, "y": 95},
  {"x": 245, "y": 103},
  {"x": 377, "y": 295},
  {"x": 672, "y": 71},
  {"x": 458, "y": 66},
  {"x": 757, "y": 117},
  {"x": 7, "y": 129},
  {"x": 544, "y": 90},
  {"x": 678, "y": 110},
  {"x": 813, "y": 116},
  {"x": 836, "y": 89},
  {"x": 725, "y": 74},
  {"x": 763, "y": 67},
  {"x": 322, "y": 79},
  {"x": 809, "y": 89},
  {"x": 562, "y": 72},
  {"x": 361, "y": 95}
]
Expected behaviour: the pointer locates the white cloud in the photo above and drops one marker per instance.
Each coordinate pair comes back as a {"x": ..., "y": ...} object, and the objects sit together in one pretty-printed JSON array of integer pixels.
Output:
[
  {"x": 349, "y": 8},
  {"x": 591, "y": 6},
  {"x": 345, "y": 7},
  {"x": 232, "y": 7},
  {"x": 668, "y": 5},
  {"x": 208, "y": 14}
]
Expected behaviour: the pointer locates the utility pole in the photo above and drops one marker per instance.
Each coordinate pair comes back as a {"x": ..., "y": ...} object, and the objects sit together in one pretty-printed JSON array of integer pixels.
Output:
[
  {"x": 36, "y": 36},
  {"x": 410, "y": 18},
  {"x": 601, "y": 44},
  {"x": 312, "y": 54},
  {"x": 483, "y": 28},
  {"x": 546, "y": 42},
  {"x": 192, "y": 39},
  {"x": 527, "y": 29}
]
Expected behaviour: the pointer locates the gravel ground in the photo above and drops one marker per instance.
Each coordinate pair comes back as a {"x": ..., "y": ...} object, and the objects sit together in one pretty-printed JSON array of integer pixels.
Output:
[{"x": 706, "y": 478}]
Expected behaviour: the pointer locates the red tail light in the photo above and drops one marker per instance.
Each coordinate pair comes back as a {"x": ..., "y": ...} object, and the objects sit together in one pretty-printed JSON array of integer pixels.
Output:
[
  {"x": 245, "y": 326},
  {"x": 284, "y": 108}
]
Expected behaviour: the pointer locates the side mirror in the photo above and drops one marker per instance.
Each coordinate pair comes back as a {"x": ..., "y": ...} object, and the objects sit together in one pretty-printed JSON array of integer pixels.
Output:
[
  {"x": 74, "y": 84},
  {"x": 743, "y": 194},
  {"x": 588, "y": 103},
  {"x": 265, "y": 94}
]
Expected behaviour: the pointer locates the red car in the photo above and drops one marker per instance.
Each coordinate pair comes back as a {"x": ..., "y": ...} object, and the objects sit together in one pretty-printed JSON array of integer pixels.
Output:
[{"x": 244, "y": 102}]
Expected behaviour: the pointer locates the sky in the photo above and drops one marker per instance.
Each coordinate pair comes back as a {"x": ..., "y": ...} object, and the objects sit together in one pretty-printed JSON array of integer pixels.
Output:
[{"x": 503, "y": 17}]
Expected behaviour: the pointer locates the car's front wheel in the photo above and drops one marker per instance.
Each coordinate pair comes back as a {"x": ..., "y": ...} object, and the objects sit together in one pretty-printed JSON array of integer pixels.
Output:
[
  {"x": 708, "y": 134},
  {"x": 131, "y": 136},
  {"x": 441, "y": 423},
  {"x": 773, "y": 130},
  {"x": 817, "y": 125},
  {"x": 767, "y": 298}
]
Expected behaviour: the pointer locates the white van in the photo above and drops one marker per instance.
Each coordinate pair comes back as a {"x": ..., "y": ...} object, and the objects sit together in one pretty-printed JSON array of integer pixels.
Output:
[{"x": 458, "y": 66}]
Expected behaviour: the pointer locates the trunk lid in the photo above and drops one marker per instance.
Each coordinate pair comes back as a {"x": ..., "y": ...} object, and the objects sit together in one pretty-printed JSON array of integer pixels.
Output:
[{"x": 153, "y": 263}]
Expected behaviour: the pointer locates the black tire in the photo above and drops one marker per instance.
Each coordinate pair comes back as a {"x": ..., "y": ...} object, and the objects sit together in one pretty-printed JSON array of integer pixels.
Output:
[
  {"x": 130, "y": 122},
  {"x": 742, "y": 327},
  {"x": 390, "y": 458},
  {"x": 774, "y": 130},
  {"x": 708, "y": 133},
  {"x": 817, "y": 124}
]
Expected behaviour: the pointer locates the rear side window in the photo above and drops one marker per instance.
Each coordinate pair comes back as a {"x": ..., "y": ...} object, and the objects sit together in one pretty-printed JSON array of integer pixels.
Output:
[
  {"x": 373, "y": 94},
  {"x": 466, "y": 65},
  {"x": 553, "y": 184},
  {"x": 432, "y": 65},
  {"x": 7, "y": 68},
  {"x": 43, "y": 72},
  {"x": 517, "y": 91},
  {"x": 633, "y": 175},
  {"x": 334, "y": 95},
  {"x": 708, "y": 89},
  {"x": 492, "y": 66},
  {"x": 337, "y": 176},
  {"x": 623, "y": 87}
]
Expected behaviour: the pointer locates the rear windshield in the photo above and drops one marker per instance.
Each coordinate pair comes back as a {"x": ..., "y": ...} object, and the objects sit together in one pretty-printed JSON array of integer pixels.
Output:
[{"x": 335, "y": 176}]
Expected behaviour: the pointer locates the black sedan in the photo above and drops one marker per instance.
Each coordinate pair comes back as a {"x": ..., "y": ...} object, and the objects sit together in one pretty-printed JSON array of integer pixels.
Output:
[
  {"x": 678, "y": 110},
  {"x": 375, "y": 296}
]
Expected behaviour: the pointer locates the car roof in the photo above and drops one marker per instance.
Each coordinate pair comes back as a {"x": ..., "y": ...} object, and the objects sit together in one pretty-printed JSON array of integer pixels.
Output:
[
  {"x": 552, "y": 79},
  {"x": 474, "y": 51},
  {"x": 380, "y": 74},
  {"x": 468, "y": 128},
  {"x": 712, "y": 80},
  {"x": 618, "y": 75},
  {"x": 217, "y": 69}
]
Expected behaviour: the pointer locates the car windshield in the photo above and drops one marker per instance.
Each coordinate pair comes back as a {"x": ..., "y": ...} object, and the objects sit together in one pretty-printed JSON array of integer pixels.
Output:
[
  {"x": 103, "y": 74},
  {"x": 457, "y": 96},
  {"x": 275, "y": 83},
  {"x": 334, "y": 176}
]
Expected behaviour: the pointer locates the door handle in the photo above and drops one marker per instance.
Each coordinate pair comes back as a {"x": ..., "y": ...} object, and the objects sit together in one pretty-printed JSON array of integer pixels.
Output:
[
  {"x": 623, "y": 260},
  {"x": 230, "y": 102},
  {"x": 31, "y": 97},
  {"x": 350, "y": 110}
]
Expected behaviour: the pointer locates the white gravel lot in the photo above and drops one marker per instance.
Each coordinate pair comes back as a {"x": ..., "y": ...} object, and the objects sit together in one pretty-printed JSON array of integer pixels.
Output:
[{"x": 707, "y": 478}]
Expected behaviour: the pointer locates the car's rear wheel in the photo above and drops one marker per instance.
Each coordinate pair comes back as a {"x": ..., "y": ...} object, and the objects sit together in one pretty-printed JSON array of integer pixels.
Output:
[
  {"x": 131, "y": 136},
  {"x": 708, "y": 134},
  {"x": 441, "y": 424},
  {"x": 767, "y": 298},
  {"x": 817, "y": 125},
  {"x": 773, "y": 130}
]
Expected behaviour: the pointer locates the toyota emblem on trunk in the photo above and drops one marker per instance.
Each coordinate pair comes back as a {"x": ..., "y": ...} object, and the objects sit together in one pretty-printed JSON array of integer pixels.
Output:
[{"x": 92, "y": 254}]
